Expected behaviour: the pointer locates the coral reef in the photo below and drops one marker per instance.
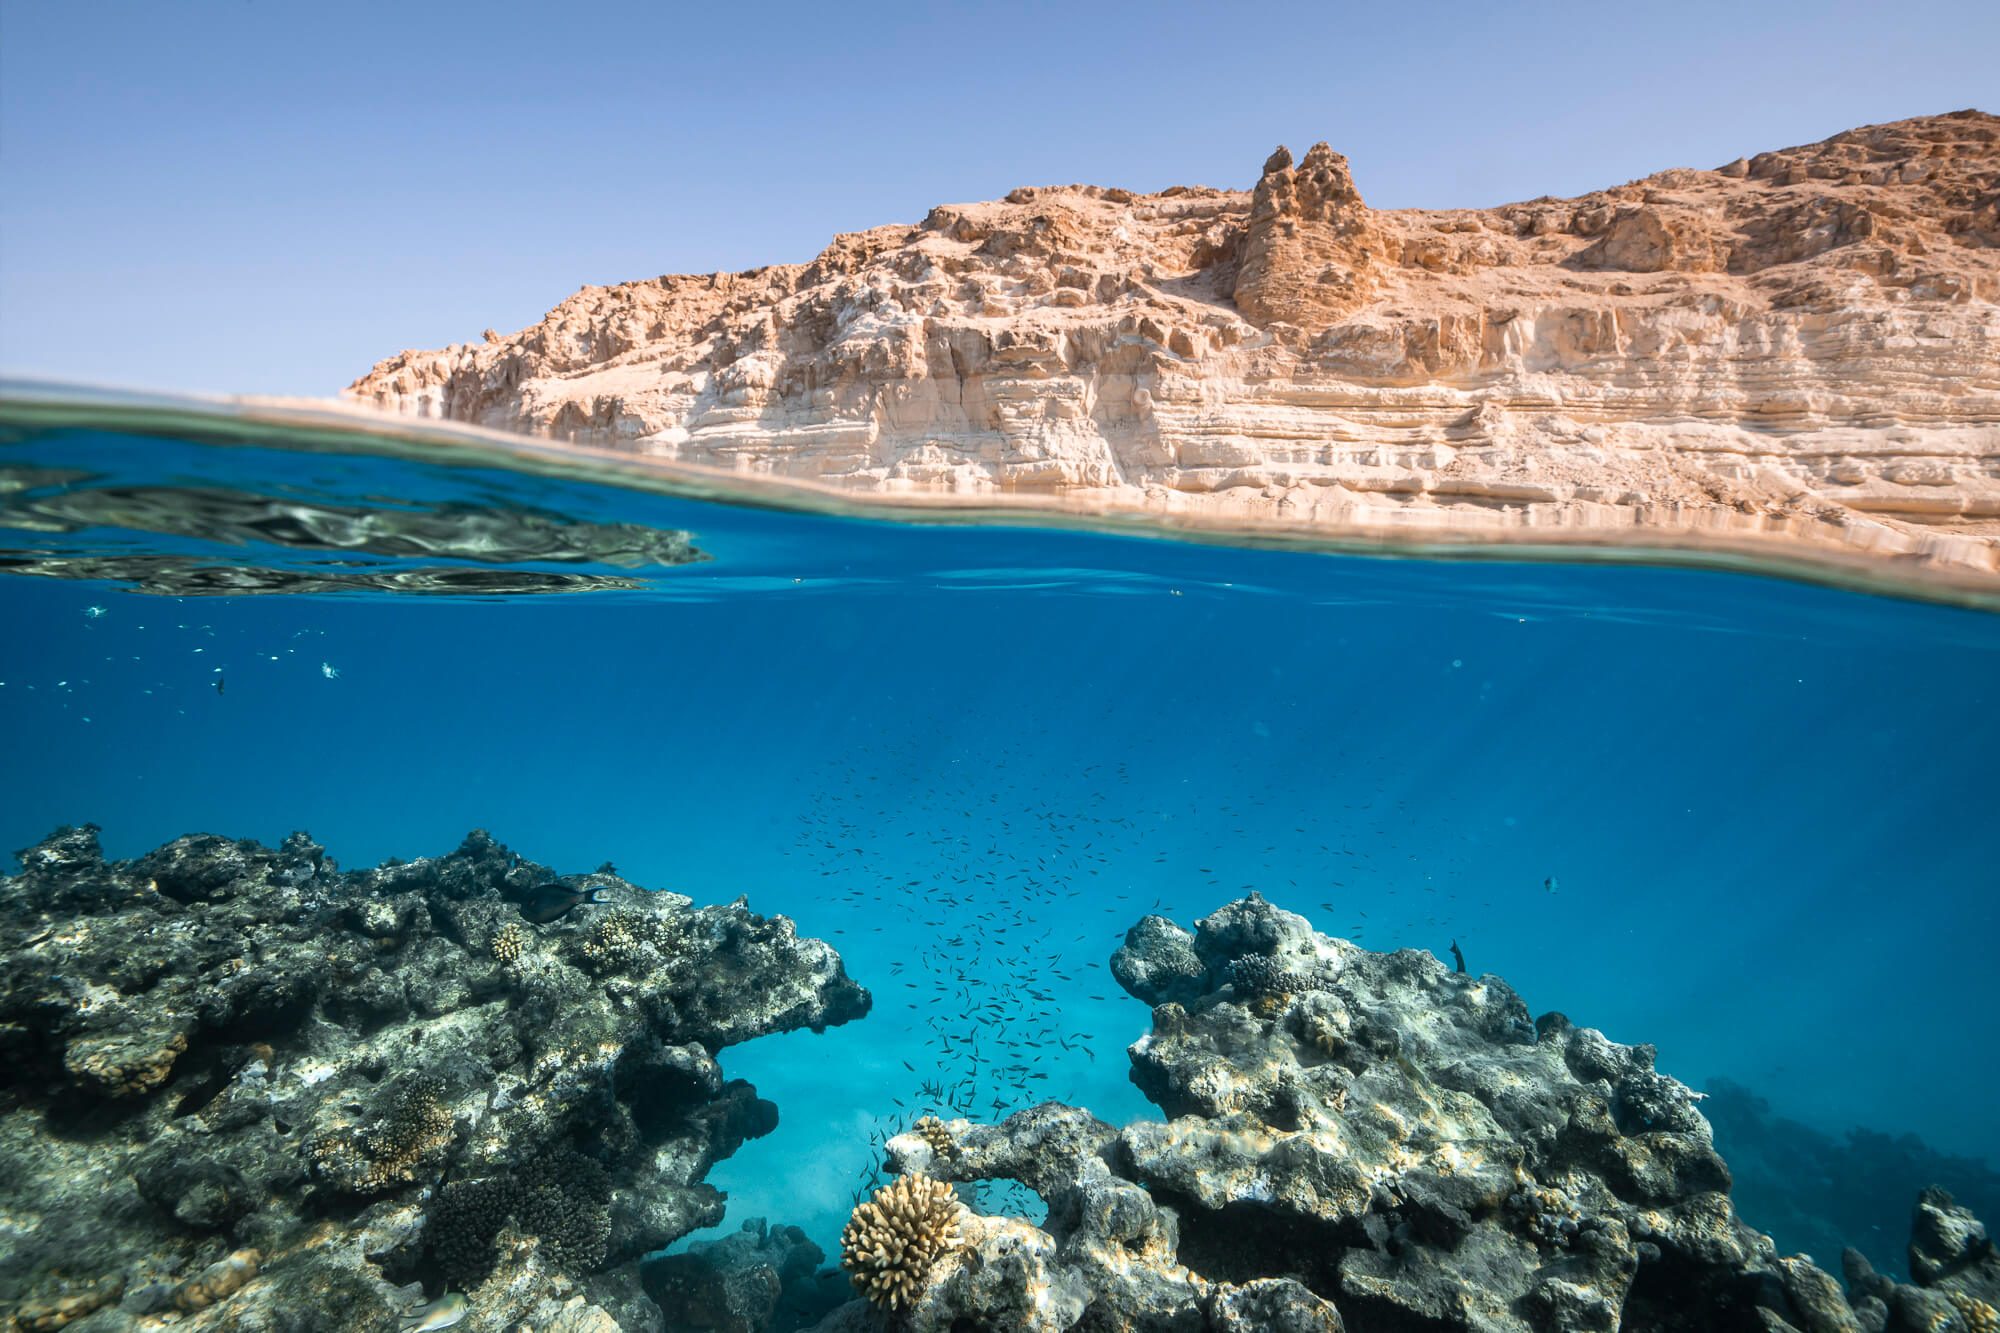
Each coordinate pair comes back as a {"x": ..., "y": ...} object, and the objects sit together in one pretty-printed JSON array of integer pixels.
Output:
[
  {"x": 757, "y": 1279},
  {"x": 245, "y": 1088},
  {"x": 485, "y": 544},
  {"x": 894, "y": 1239},
  {"x": 561, "y": 1199},
  {"x": 241, "y": 1084},
  {"x": 1375, "y": 1141},
  {"x": 1817, "y": 1193}
]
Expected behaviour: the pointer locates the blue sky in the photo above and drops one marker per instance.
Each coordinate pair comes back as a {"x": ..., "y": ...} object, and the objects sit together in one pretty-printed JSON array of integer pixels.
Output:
[{"x": 256, "y": 197}]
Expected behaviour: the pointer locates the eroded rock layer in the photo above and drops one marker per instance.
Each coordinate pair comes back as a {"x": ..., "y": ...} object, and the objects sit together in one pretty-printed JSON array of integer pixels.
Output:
[
  {"x": 242, "y": 1089},
  {"x": 1799, "y": 351}
]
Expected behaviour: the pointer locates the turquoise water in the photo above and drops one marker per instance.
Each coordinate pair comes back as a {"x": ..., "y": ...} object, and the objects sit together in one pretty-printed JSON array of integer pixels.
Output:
[{"x": 1750, "y": 821}]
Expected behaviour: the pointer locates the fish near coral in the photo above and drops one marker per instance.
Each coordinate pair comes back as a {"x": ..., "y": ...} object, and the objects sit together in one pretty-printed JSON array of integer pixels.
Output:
[
  {"x": 892, "y": 1241},
  {"x": 552, "y": 902},
  {"x": 443, "y": 1312}
]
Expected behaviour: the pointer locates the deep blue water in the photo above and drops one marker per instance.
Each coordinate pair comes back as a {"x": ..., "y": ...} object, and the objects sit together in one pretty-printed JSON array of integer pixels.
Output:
[{"x": 1764, "y": 811}]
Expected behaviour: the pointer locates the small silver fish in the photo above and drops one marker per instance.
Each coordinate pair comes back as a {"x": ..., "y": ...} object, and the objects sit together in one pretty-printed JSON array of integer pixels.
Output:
[{"x": 443, "y": 1312}]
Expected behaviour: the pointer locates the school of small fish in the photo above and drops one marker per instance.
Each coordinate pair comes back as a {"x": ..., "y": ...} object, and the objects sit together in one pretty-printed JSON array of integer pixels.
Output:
[{"x": 997, "y": 983}]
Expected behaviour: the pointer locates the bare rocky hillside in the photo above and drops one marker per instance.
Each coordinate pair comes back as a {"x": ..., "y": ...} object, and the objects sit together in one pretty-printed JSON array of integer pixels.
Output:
[{"x": 1800, "y": 351}]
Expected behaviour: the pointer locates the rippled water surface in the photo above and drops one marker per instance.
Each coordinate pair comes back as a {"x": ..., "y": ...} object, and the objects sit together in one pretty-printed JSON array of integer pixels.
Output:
[{"x": 1749, "y": 821}]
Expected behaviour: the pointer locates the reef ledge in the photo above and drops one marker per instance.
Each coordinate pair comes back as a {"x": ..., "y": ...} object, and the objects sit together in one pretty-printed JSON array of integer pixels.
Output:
[
  {"x": 1372, "y": 1141},
  {"x": 240, "y": 1088},
  {"x": 1790, "y": 357}
]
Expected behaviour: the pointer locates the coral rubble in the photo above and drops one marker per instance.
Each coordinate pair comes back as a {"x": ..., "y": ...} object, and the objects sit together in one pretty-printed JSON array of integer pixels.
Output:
[{"x": 249, "y": 1090}]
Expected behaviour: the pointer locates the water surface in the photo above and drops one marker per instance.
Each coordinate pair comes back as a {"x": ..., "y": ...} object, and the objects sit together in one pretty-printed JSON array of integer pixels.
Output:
[{"x": 1744, "y": 819}]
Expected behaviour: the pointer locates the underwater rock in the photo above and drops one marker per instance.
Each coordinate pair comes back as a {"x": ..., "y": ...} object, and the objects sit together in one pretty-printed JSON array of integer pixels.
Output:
[
  {"x": 488, "y": 539},
  {"x": 1166, "y": 969},
  {"x": 242, "y": 1085},
  {"x": 756, "y": 1280},
  {"x": 1375, "y": 1141},
  {"x": 1819, "y": 1193},
  {"x": 1947, "y": 1243},
  {"x": 1956, "y": 1273}
]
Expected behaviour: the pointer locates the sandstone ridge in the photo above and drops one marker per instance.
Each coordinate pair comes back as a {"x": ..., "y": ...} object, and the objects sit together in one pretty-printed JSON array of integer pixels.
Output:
[{"x": 1795, "y": 352}]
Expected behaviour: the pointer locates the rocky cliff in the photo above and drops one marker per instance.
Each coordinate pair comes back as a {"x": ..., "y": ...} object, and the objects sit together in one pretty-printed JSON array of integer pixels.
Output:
[{"x": 1799, "y": 351}]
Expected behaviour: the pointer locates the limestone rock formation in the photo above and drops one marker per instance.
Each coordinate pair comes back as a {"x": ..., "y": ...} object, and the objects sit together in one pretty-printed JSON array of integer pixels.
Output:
[
  {"x": 240, "y": 1085},
  {"x": 1361, "y": 1140},
  {"x": 1310, "y": 253},
  {"x": 1797, "y": 353}
]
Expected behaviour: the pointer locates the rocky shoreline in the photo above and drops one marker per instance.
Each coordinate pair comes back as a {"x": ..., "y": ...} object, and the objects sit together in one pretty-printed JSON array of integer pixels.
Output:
[
  {"x": 247, "y": 1090},
  {"x": 1794, "y": 353}
]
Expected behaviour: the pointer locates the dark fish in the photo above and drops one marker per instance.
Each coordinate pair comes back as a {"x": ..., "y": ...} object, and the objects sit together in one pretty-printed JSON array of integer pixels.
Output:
[
  {"x": 1458, "y": 956},
  {"x": 218, "y": 684},
  {"x": 552, "y": 902}
]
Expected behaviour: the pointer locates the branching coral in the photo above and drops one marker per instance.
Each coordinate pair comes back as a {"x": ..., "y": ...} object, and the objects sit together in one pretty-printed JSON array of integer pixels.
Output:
[
  {"x": 892, "y": 1241},
  {"x": 560, "y": 1199},
  {"x": 932, "y": 1131},
  {"x": 1259, "y": 976},
  {"x": 1267, "y": 985},
  {"x": 618, "y": 940},
  {"x": 404, "y": 1144},
  {"x": 509, "y": 941}
]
